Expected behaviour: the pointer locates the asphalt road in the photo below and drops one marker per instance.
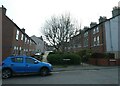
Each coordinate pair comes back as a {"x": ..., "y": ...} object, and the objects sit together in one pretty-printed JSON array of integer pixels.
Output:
[{"x": 100, "y": 76}]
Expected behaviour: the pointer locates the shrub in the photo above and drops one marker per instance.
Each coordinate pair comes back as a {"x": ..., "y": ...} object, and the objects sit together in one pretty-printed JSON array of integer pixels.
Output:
[
  {"x": 74, "y": 58},
  {"x": 109, "y": 55},
  {"x": 84, "y": 54},
  {"x": 66, "y": 58},
  {"x": 102, "y": 55},
  {"x": 54, "y": 59},
  {"x": 97, "y": 55}
]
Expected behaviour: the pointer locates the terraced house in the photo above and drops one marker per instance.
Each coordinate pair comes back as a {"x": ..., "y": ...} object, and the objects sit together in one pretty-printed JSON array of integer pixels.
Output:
[
  {"x": 14, "y": 40},
  {"x": 102, "y": 37}
]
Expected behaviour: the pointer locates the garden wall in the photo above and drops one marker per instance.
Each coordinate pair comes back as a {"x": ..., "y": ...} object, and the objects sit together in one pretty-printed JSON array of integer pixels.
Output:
[{"x": 104, "y": 62}]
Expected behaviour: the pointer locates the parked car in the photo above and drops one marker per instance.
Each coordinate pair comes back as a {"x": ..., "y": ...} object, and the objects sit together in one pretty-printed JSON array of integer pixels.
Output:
[{"x": 24, "y": 65}]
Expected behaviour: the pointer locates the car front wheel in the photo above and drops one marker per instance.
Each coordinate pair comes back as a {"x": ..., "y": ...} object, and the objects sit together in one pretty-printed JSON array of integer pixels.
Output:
[
  {"x": 6, "y": 73},
  {"x": 44, "y": 71}
]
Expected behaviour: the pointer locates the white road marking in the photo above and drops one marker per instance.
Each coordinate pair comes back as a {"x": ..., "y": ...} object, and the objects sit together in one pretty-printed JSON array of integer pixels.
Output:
[{"x": 55, "y": 72}]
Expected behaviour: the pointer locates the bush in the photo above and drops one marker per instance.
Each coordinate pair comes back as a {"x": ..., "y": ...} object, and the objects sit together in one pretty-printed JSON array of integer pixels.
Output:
[
  {"x": 97, "y": 55},
  {"x": 55, "y": 59},
  {"x": 84, "y": 54},
  {"x": 74, "y": 58},
  {"x": 64, "y": 59},
  {"x": 103, "y": 55},
  {"x": 109, "y": 55}
]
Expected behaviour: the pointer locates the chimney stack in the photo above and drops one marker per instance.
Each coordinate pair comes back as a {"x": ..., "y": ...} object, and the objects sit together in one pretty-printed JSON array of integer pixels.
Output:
[
  {"x": 102, "y": 19},
  {"x": 23, "y": 29},
  {"x": 116, "y": 11},
  {"x": 92, "y": 24},
  {"x": 4, "y": 9},
  {"x": 86, "y": 28},
  {"x": 119, "y": 4}
]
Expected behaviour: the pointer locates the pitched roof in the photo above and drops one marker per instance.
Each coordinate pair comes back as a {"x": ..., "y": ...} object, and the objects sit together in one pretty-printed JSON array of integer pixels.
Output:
[{"x": 17, "y": 26}]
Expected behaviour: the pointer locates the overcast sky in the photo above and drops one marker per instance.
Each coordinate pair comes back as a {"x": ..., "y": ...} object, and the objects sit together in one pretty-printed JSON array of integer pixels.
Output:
[{"x": 32, "y": 14}]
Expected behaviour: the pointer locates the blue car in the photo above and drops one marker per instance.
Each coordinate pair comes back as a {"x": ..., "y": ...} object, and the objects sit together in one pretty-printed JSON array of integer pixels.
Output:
[{"x": 24, "y": 65}]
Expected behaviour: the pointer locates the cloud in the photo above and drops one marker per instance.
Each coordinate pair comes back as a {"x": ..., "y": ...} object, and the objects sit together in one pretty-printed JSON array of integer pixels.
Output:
[{"x": 32, "y": 14}]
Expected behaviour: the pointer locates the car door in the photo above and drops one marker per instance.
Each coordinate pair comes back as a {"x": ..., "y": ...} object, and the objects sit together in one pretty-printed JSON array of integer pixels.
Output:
[
  {"x": 17, "y": 64},
  {"x": 31, "y": 65}
]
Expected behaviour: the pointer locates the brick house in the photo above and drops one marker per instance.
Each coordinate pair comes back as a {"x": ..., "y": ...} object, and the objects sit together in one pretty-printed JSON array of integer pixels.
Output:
[
  {"x": 97, "y": 36},
  {"x": 92, "y": 37},
  {"x": 40, "y": 44},
  {"x": 14, "y": 40},
  {"x": 101, "y": 37},
  {"x": 86, "y": 38},
  {"x": 112, "y": 29},
  {"x": 74, "y": 44}
]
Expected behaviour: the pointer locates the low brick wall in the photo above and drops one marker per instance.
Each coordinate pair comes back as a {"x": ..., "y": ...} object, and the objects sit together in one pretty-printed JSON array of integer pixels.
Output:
[
  {"x": 104, "y": 62},
  {"x": 92, "y": 61},
  {"x": 118, "y": 62}
]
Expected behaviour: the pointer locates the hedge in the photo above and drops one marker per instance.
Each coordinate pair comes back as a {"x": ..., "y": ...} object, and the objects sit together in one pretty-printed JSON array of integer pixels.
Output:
[
  {"x": 63, "y": 59},
  {"x": 103, "y": 55}
]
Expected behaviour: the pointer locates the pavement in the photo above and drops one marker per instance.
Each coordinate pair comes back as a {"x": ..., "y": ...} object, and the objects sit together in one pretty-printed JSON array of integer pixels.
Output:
[{"x": 81, "y": 67}]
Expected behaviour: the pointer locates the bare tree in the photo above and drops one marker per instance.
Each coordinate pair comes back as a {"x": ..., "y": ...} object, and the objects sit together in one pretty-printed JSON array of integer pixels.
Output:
[{"x": 59, "y": 30}]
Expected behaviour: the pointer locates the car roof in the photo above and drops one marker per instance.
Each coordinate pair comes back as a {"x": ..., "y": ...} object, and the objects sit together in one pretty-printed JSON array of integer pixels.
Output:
[{"x": 18, "y": 56}]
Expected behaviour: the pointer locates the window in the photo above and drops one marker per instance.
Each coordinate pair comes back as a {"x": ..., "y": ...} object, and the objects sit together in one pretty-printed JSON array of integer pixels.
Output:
[
  {"x": 25, "y": 39},
  {"x": 29, "y": 60},
  {"x": 29, "y": 49},
  {"x": 26, "y": 50},
  {"x": 97, "y": 29},
  {"x": 86, "y": 42},
  {"x": 30, "y": 42},
  {"x": 93, "y": 31},
  {"x": 17, "y": 35},
  {"x": 85, "y": 34},
  {"x": 15, "y": 47},
  {"x": 20, "y": 48},
  {"x": 22, "y": 37},
  {"x": 14, "y": 50},
  {"x": 17, "y": 59},
  {"x": 94, "y": 41},
  {"x": 98, "y": 40}
]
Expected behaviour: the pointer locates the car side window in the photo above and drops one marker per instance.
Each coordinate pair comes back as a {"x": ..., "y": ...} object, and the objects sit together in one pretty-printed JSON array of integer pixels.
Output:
[
  {"x": 29, "y": 60},
  {"x": 17, "y": 59}
]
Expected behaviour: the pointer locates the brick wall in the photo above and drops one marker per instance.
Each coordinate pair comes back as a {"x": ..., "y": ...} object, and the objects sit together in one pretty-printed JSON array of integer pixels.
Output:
[{"x": 11, "y": 45}]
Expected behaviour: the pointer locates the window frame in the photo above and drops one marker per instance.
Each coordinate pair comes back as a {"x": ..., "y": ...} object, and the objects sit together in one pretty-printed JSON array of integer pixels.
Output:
[
  {"x": 98, "y": 40},
  {"x": 22, "y": 36},
  {"x": 30, "y": 62},
  {"x": 17, "y": 35},
  {"x": 15, "y": 59}
]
